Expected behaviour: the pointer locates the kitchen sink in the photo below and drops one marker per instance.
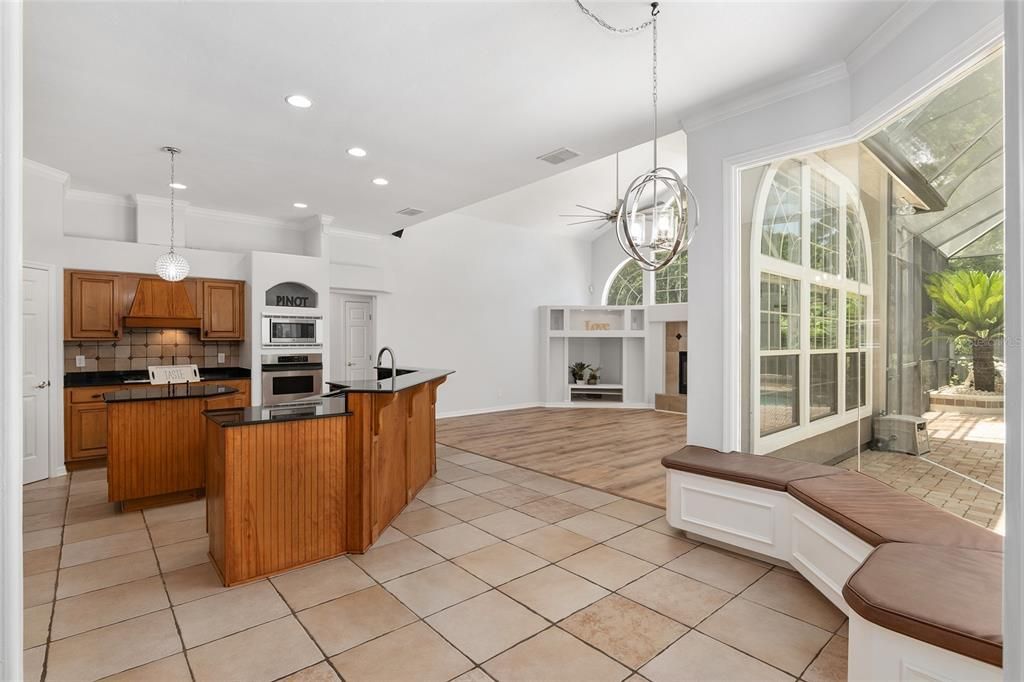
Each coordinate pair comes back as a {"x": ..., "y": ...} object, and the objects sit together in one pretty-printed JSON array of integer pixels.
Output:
[{"x": 385, "y": 372}]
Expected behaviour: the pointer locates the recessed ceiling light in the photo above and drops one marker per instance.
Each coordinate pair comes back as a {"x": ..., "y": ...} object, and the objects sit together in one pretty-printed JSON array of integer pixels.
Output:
[
  {"x": 300, "y": 205},
  {"x": 178, "y": 185},
  {"x": 300, "y": 101},
  {"x": 380, "y": 181},
  {"x": 357, "y": 151}
]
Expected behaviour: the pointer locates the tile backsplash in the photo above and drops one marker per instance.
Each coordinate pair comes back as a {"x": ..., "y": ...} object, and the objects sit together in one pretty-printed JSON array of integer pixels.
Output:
[{"x": 140, "y": 348}]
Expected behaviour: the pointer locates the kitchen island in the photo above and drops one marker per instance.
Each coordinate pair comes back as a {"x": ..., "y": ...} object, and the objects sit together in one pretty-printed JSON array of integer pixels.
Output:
[{"x": 294, "y": 484}]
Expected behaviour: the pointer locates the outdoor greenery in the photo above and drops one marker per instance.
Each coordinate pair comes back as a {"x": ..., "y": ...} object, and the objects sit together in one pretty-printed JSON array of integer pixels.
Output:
[
  {"x": 968, "y": 309},
  {"x": 670, "y": 283}
]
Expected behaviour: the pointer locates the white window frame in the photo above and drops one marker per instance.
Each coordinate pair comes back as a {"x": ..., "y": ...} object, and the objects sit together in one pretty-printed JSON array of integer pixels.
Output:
[{"x": 806, "y": 275}]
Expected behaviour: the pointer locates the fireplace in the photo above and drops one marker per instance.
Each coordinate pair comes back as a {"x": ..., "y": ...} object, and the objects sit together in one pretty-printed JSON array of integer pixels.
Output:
[
  {"x": 676, "y": 369},
  {"x": 682, "y": 372}
]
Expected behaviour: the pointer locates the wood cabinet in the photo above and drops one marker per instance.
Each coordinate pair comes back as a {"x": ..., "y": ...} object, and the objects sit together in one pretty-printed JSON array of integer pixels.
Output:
[
  {"x": 92, "y": 305},
  {"x": 223, "y": 310}
]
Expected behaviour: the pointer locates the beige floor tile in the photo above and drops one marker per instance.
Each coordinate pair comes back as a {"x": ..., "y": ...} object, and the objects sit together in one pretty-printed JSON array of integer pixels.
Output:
[
  {"x": 353, "y": 619},
  {"x": 554, "y": 650},
  {"x": 266, "y": 652},
  {"x": 178, "y": 531},
  {"x": 194, "y": 582},
  {"x": 390, "y": 535},
  {"x": 43, "y": 506},
  {"x": 552, "y": 543},
  {"x": 87, "y": 500},
  {"x": 457, "y": 540},
  {"x": 490, "y": 467},
  {"x": 453, "y": 473},
  {"x": 85, "y": 487},
  {"x": 631, "y": 511},
  {"x": 415, "y": 504},
  {"x": 508, "y": 523},
  {"x": 515, "y": 474},
  {"x": 513, "y": 496},
  {"x": 796, "y": 597},
  {"x": 54, "y": 482},
  {"x": 39, "y": 588},
  {"x": 844, "y": 629},
  {"x": 423, "y": 521},
  {"x": 552, "y": 509},
  {"x": 97, "y": 575},
  {"x": 628, "y": 632},
  {"x": 768, "y": 635},
  {"x": 660, "y": 525},
  {"x": 195, "y": 509},
  {"x": 651, "y": 546},
  {"x": 321, "y": 672},
  {"x": 93, "y": 512},
  {"x": 607, "y": 567},
  {"x": 680, "y": 598},
  {"x": 171, "y": 669},
  {"x": 442, "y": 493},
  {"x": 38, "y": 539},
  {"x": 112, "y": 525},
  {"x": 588, "y": 497},
  {"x": 486, "y": 625},
  {"x": 316, "y": 584},
  {"x": 481, "y": 484},
  {"x": 596, "y": 526},
  {"x": 553, "y": 592},
  {"x": 469, "y": 508},
  {"x": 110, "y": 605},
  {"x": 831, "y": 663},
  {"x": 474, "y": 675},
  {"x": 718, "y": 568},
  {"x": 435, "y": 588},
  {"x": 104, "y": 547},
  {"x": 53, "y": 492},
  {"x": 54, "y": 519},
  {"x": 94, "y": 474},
  {"x": 41, "y": 560},
  {"x": 463, "y": 458},
  {"x": 183, "y": 554},
  {"x": 698, "y": 658},
  {"x": 113, "y": 649},
  {"x": 32, "y": 663},
  {"x": 414, "y": 652},
  {"x": 497, "y": 564},
  {"x": 549, "y": 485},
  {"x": 395, "y": 559},
  {"x": 210, "y": 618},
  {"x": 36, "y": 624}
]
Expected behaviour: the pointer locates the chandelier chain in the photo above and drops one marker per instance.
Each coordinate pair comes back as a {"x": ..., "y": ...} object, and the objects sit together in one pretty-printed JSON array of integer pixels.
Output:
[
  {"x": 615, "y": 29},
  {"x": 172, "y": 201}
]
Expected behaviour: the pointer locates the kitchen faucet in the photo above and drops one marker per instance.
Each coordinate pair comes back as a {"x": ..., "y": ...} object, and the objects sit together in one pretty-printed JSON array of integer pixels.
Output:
[{"x": 394, "y": 363}]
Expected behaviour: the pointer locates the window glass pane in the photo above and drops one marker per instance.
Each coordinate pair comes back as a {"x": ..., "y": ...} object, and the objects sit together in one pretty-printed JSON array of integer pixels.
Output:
[
  {"x": 856, "y": 258},
  {"x": 670, "y": 283},
  {"x": 780, "y": 312},
  {"x": 824, "y": 219},
  {"x": 824, "y": 389},
  {"x": 628, "y": 286},
  {"x": 856, "y": 380},
  {"x": 856, "y": 324},
  {"x": 780, "y": 231},
  {"x": 780, "y": 393},
  {"x": 824, "y": 317}
]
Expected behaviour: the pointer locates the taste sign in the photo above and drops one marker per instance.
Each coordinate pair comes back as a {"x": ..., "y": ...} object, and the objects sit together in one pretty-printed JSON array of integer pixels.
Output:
[{"x": 291, "y": 295}]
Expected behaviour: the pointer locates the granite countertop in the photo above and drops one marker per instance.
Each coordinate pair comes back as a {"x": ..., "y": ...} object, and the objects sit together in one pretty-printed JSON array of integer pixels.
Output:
[
  {"x": 313, "y": 408},
  {"x": 141, "y": 376},
  {"x": 407, "y": 378},
  {"x": 168, "y": 392}
]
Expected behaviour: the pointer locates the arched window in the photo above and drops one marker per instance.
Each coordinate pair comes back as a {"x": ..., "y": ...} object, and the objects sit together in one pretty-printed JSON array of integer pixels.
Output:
[
  {"x": 626, "y": 285},
  {"x": 810, "y": 303}
]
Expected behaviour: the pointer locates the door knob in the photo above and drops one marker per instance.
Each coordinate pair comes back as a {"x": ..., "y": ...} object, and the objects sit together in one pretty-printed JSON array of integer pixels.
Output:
[
  {"x": 349, "y": 364},
  {"x": 43, "y": 384}
]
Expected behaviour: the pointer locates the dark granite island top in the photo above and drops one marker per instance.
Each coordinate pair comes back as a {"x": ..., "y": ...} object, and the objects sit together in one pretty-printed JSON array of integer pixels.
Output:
[
  {"x": 168, "y": 392},
  {"x": 141, "y": 376},
  {"x": 407, "y": 377},
  {"x": 317, "y": 408}
]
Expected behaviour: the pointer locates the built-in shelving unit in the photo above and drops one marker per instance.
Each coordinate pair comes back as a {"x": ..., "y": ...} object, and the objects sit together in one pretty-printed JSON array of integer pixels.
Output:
[{"x": 608, "y": 337}]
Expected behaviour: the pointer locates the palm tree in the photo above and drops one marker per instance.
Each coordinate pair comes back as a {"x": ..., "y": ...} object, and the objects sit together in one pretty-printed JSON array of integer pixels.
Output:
[{"x": 969, "y": 307}]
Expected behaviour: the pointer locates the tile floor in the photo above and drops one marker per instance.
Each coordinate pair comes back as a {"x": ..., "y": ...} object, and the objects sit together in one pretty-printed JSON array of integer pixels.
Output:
[{"x": 494, "y": 572}]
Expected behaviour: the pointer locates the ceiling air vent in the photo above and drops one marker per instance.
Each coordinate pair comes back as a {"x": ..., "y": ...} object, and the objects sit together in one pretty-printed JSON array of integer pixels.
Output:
[
  {"x": 410, "y": 211},
  {"x": 558, "y": 156}
]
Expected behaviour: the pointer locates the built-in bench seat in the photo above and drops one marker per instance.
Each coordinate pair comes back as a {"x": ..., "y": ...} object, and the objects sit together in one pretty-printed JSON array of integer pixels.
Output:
[{"x": 921, "y": 586}]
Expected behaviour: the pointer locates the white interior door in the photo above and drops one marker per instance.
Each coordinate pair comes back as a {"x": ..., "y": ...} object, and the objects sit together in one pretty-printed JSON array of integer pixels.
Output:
[
  {"x": 36, "y": 388},
  {"x": 358, "y": 341}
]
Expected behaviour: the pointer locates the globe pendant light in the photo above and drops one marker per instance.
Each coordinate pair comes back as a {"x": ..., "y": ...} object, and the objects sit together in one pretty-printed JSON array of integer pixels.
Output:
[
  {"x": 172, "y": 266},
  {"x": 658, "y": 214}
]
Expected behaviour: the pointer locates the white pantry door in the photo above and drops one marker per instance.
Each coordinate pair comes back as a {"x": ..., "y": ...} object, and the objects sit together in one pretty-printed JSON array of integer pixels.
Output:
[
  {"x": 36, "y": 389},
  {"x": 358, "y": 341}
]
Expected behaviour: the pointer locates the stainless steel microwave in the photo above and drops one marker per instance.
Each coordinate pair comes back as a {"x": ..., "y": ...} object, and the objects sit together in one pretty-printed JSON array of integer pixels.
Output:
[{"x": 293, "y": 330}]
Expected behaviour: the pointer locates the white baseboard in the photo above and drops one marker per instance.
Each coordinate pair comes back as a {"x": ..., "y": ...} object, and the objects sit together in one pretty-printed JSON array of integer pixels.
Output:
[{"x": 488, "y": 410}]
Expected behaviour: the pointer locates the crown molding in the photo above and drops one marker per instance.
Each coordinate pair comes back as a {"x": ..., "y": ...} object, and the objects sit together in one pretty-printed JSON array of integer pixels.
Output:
[
  {"x": 45, "y": 171},
  {"x": 355, "y": 234},
  {"x": 888, "y": 31},
  {"x": 158, "y": 202},
  {"x": 242, "y": 218},
  {"x": 730, "y": 107},
  {"x": 99, "y": 198}
]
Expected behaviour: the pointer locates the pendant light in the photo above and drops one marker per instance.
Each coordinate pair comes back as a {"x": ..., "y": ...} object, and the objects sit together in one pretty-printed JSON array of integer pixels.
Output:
[
  {"x": 172, "y": 266},
  {"x": 658, "y": 214}
]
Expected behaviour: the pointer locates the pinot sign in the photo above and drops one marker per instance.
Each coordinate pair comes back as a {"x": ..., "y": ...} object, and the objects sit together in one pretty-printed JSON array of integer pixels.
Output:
[{"x": 291, "y": 295}]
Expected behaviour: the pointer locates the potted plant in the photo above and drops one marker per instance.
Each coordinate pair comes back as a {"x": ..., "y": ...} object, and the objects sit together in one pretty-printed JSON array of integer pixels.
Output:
[
  {"x": 969, "y": 310},
  {"x": 578, "y": 371},
  {"x": 595, "y": 376}
]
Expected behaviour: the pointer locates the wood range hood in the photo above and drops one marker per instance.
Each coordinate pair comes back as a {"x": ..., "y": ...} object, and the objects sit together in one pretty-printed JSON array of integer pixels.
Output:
[{"x": 162, "y": 304}]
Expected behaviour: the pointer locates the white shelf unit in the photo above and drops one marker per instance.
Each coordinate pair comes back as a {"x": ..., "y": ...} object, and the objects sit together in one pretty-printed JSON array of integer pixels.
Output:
[{"x": 609, "y": 337}]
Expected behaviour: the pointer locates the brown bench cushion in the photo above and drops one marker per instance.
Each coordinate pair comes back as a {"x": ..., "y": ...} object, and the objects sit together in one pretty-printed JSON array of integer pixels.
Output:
[
  {"x": 946, "y": 596},
  {"x": 876, "y": 513},
  {"x": 756, "y": 470}
]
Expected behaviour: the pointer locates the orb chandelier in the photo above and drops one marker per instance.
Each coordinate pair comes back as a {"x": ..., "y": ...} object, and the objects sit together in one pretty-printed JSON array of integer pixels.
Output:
[
  {"x": 656, "y": 219},
  {"x": 172, "y": 266}
]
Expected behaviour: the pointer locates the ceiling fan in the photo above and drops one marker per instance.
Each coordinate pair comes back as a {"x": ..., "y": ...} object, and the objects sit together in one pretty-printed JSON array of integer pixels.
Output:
[{"x": 596, "y": 215}]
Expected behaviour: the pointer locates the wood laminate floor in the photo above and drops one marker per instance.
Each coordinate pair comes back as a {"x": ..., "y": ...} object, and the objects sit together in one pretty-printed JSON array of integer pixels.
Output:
[{"x": 618, "y": 451}]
